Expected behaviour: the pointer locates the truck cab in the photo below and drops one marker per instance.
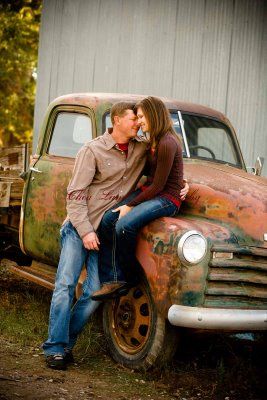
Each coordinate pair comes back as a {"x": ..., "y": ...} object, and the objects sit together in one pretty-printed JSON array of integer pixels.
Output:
[{"x": 205, "y": 268}]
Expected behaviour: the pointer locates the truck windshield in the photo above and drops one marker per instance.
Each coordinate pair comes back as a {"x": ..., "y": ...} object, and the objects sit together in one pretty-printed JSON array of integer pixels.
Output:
[{"x": 207, "y": 139}]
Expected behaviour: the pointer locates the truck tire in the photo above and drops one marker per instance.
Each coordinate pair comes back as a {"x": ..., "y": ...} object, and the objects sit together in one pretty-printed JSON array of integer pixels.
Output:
[{"x": 137, "y": 335}]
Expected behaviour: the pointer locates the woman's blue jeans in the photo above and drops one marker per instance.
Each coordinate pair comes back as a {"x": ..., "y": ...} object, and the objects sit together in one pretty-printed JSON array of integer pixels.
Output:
[
  {"x": 118, "y": 237},
  {"x": 65, "y": 322}
]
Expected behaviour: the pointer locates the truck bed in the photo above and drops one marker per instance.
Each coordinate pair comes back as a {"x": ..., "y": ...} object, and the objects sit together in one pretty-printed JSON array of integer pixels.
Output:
[{"x": 12, "y": 161}]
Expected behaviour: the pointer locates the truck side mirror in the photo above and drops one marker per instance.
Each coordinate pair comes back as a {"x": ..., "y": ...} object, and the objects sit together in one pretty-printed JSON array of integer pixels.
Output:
[
  {"x": 258, "y": 166},
  {"x": 256, "y": 170}
]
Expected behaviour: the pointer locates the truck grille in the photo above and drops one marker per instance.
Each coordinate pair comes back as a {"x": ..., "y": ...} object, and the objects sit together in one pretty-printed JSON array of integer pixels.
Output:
[{"x": 237, "y": 280}]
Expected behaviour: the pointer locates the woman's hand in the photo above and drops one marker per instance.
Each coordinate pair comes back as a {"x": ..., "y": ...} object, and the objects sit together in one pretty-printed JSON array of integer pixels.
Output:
[
  {"x": 184, "y": 191},
  {"x": 123, "y": 210}
]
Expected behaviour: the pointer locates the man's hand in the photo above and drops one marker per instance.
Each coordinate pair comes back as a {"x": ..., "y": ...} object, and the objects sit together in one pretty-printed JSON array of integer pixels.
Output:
[
  {"x": 123, "y": 210},
  {"x": 91, "y": 241},
  {"x": 184, "y": 191}
]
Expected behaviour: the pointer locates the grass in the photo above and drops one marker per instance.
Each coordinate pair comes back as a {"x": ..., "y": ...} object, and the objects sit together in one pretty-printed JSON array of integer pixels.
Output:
[
  {"x": 25, "y": 325},
  {"x": 24, "y": 314}
]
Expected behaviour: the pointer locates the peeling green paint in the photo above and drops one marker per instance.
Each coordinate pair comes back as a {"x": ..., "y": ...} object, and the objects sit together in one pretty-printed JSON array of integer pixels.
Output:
[{"x": 191, "y": 299}]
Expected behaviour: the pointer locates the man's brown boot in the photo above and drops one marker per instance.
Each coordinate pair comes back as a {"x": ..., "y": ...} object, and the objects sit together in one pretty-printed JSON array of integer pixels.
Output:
[{"x": 110, "y": 291}]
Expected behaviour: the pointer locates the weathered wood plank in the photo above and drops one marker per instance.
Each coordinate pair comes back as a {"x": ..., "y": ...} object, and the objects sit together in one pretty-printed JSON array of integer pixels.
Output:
[
  {"x": 208, "y": 52},
  {"x": 12, "y": 158}
]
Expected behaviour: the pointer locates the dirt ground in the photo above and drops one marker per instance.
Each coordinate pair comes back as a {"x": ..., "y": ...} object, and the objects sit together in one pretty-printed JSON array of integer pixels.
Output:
[
  {"x": 215, "y": 367},
  {"x": 23, "y": 375}
]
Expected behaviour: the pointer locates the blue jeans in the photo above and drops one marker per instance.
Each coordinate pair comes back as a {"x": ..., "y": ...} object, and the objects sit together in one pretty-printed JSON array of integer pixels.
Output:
[
  {"x": 65, "y": 322},
  {"x": 118, "y": 237}
]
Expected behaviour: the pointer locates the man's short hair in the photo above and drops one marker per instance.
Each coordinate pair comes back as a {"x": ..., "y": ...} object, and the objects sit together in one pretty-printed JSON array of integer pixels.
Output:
[{"x": 120, "y": 109}]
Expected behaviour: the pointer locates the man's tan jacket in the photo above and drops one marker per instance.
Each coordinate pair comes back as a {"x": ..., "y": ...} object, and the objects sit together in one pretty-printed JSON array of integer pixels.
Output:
[{"x": 102, "y": 176}]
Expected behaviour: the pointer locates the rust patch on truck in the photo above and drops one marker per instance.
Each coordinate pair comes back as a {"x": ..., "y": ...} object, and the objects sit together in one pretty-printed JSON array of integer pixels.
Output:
[
  {"x": 232, "y": 198},
  {"x": 170, "y": 281}
]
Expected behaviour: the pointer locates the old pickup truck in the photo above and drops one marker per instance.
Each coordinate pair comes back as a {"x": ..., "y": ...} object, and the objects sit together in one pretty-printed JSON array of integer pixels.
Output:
[{"x": 205, "y": 268}]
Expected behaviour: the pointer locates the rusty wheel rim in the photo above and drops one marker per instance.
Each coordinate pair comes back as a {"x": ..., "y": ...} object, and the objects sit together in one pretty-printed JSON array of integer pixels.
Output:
[{"x": 131, "y": 320}]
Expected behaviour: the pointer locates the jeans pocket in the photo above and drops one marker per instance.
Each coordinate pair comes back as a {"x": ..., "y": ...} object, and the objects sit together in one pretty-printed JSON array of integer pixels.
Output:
[
  {"x": 63, "y": 226},
  {"x": 175, "y": 211}
]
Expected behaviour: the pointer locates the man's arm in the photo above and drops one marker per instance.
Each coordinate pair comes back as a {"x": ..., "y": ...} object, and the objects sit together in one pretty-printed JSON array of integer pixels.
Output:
[{"x": 77, "y": 192}]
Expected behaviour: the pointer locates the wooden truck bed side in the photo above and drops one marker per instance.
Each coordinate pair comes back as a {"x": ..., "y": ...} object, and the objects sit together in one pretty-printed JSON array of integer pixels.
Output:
[{"x": 12, "y": 162}]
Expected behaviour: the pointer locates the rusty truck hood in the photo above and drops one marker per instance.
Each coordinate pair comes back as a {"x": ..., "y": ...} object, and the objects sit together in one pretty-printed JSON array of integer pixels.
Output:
[{"x": 230, "y": 196}]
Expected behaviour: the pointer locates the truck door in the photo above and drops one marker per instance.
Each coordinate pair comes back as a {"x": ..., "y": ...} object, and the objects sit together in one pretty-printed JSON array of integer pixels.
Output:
[{"x": 44, "y": 199}]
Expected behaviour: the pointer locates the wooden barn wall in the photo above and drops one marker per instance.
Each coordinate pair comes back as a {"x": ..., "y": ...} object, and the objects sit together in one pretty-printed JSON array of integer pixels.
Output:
[{"x": 212, "y": 52}]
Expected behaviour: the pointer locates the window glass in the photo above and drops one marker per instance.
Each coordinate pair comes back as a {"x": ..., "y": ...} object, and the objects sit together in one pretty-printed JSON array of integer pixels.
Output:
[
  {"x": 71, "y": 131},
  {"x": 108, "y": 123},
  {"x": 207, "y": 138},
  {"x": 176, "y": 125},
  {"x": 210, "y": 139}
]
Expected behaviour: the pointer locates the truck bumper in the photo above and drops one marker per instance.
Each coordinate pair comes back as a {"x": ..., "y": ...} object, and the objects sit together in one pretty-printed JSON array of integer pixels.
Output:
[{"x": 219, "y": 318}]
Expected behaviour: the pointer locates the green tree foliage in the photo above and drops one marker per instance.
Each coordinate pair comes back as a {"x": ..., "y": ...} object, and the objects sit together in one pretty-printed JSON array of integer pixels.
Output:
[{"x": 19, "y": 33}]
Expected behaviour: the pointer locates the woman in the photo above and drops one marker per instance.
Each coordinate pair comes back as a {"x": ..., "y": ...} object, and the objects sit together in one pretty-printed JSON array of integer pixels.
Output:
[{"x": 159, "y": 197}]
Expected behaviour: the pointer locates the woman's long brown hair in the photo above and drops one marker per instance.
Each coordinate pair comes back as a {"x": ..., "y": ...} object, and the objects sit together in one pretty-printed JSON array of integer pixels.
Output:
[{"x": 158, "y": 118}]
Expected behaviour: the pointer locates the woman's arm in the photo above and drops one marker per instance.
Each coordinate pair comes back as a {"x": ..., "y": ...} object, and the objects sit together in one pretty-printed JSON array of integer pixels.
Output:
[{"x": 166, "y": 154}]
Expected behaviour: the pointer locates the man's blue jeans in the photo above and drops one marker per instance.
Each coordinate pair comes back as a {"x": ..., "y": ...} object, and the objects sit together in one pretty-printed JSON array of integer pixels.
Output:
[
  {"x": 118, "y": 237},
  {"x": 65, "y": 323}
]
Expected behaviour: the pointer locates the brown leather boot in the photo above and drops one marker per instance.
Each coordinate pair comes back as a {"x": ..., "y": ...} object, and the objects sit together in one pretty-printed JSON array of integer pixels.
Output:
[{"x": 110, "y": 291}]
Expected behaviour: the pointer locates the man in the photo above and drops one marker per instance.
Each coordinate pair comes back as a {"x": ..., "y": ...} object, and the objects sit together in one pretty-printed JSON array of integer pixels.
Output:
[{"x": 106, "y": 170}]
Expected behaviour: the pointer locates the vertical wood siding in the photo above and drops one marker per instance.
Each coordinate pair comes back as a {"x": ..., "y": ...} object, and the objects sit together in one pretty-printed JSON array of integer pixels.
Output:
[{"x": 212, "y": 52}]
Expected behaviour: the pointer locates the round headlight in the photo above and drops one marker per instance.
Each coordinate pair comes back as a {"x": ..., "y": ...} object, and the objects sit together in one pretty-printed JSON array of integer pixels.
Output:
[{"x": 192, "y": 247}]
